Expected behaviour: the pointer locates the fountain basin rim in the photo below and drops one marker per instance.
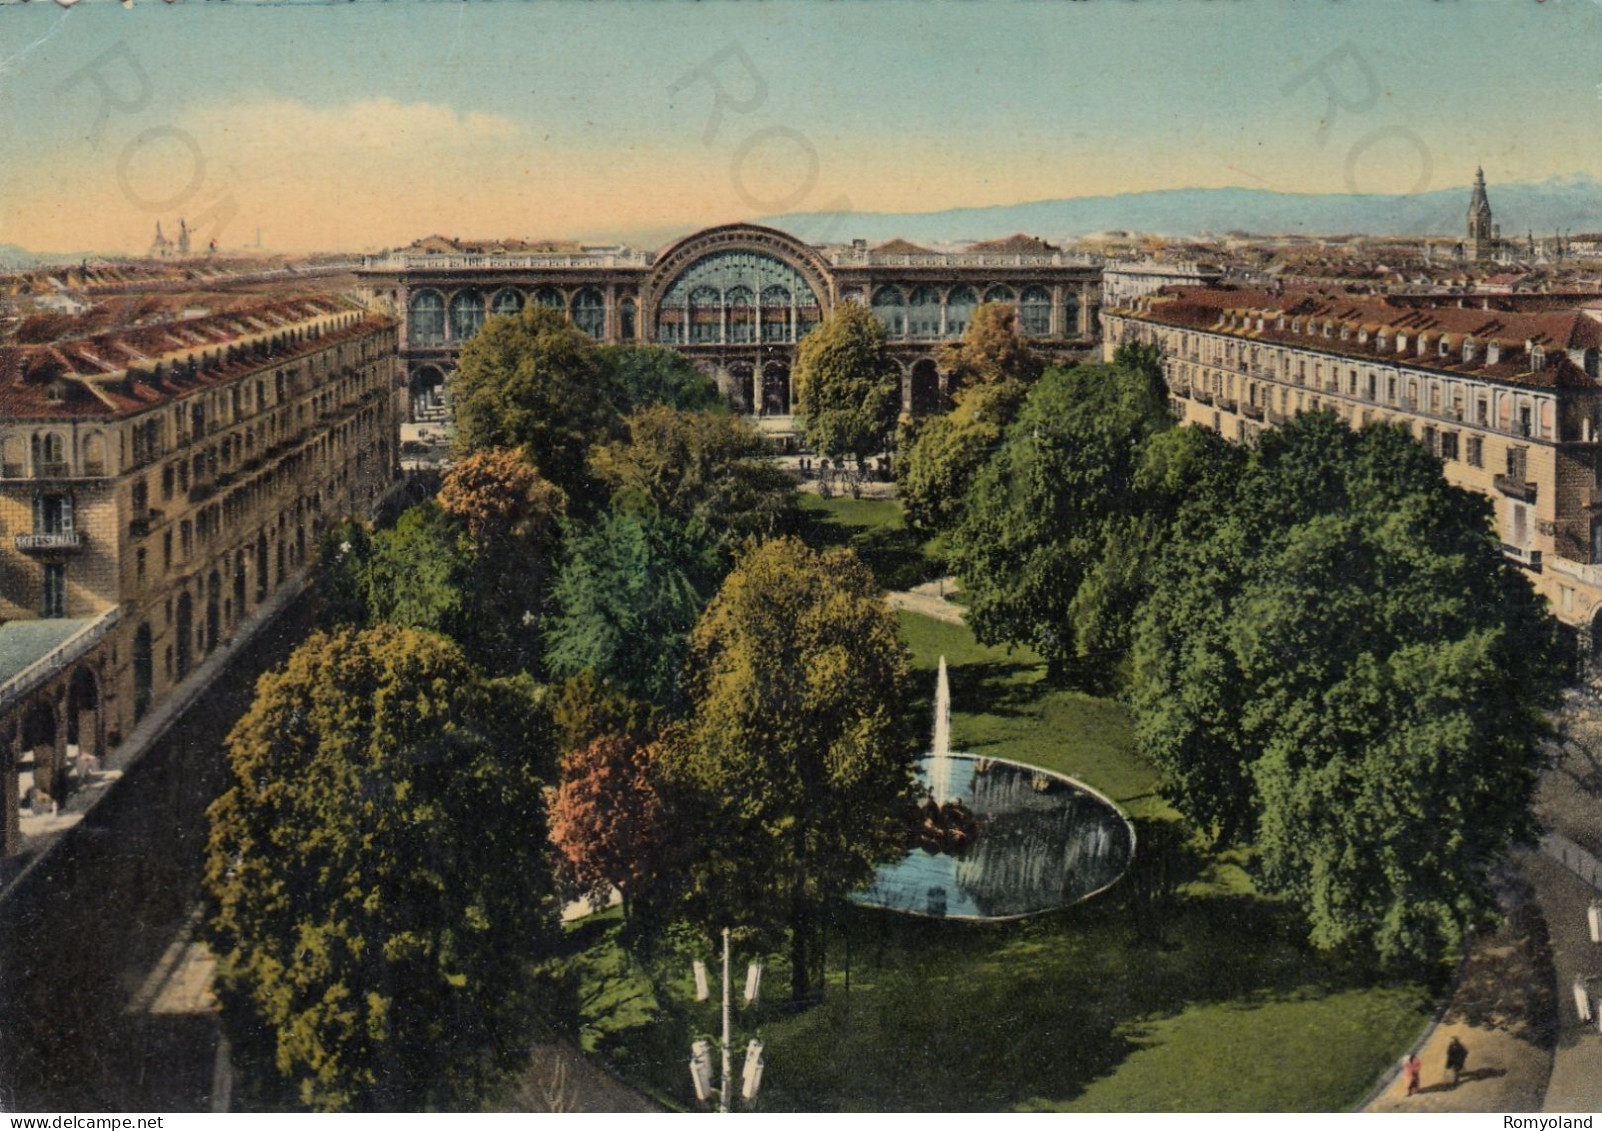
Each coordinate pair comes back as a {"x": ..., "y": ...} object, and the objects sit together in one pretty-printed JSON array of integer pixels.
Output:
[{"x": 1129, "y": 826}]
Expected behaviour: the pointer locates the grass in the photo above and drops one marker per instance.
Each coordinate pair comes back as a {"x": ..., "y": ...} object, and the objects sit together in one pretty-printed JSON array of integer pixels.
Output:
[
  {"x": 896, "y": 554},
  {"x": 1218, "y": 1007}
]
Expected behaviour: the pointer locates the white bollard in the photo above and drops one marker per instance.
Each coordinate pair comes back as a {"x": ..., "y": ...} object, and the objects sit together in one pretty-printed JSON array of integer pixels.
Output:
[
  {"x": 1582, "y": 1000},
  {"x": 1594, "y": 919}
]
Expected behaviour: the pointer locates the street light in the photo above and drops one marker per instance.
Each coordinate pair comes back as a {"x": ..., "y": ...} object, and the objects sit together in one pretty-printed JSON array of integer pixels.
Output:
[{"x": 701, "y": 1051}]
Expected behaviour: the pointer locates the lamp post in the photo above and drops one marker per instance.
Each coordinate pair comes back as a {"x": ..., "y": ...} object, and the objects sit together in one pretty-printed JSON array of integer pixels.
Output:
[{"x": 701, "y": 1052}]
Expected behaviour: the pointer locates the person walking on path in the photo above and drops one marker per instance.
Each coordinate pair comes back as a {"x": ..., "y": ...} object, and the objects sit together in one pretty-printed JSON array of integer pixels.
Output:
[
  {"x": 1412, "y": 1067},
  {"x": 1456, "y": 1059}
]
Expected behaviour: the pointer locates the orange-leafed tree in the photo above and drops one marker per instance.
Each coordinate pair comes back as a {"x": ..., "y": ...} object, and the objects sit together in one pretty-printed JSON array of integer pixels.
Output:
[{"x": 607, "y": 819}]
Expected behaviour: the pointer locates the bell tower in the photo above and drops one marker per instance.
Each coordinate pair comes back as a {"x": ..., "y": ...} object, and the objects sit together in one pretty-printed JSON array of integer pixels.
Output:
[{"x": 1481, "y": 232}]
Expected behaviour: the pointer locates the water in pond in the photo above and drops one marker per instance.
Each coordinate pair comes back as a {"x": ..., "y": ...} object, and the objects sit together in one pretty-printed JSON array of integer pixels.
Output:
[
  {"x": 1039, "y": 840},
  {"x": 1035, "y": 848}
]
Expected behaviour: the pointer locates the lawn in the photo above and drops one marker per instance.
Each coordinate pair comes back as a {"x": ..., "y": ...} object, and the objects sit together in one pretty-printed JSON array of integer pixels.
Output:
[
  {"x": 873, "y": 528},
  {"x": 1192, "y": 994}
]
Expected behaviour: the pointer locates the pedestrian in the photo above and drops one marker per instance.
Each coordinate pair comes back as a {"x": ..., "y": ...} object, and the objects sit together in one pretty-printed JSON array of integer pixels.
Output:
[
  {"x": 1412, "y": 1067},
  {"x": 1456, "y": 1058}
]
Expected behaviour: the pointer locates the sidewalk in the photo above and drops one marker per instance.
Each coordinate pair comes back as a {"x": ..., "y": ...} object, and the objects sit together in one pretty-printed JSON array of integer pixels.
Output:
[
  {"x": 1500, "y": 1010},
  {"x": 1576, "y": 1083},
  {"x": 929, "y": 600}
]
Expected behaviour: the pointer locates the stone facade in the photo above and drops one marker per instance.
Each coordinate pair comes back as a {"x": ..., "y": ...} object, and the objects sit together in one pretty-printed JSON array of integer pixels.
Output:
[
  {"x": 736, "y": 299},
  {"x": 156, "y": 487}
]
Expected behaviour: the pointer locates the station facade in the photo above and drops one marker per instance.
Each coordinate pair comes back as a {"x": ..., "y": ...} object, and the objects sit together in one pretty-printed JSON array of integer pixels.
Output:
[{"x": 736, "y": 299}]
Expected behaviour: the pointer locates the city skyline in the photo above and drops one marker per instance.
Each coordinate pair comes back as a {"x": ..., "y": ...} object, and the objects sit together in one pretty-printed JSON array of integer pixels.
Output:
[{"x": 601, "y": 122}]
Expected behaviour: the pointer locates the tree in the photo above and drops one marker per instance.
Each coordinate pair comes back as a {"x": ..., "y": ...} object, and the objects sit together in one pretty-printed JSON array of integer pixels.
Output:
[
  {"x": 991, "y": 371},
  {"x": 945, "y": 454},
  {"x": 376, "y": 878},
  {"x": 536, "y": 381},
  {"x": 795, "y": 760},
  {"x": 418, "y": 574},
  {"x": 1047, "y": 508},
  {"x": 708, "y": 471},
  {"x": 630, "y": 590},
  {"x": 510, "y": 515},
  {"x": 1340, "y": 667},
  {"x": 991, "y": 352},
  {"x": 848, "y": 390},
  {"x": 608, "y": 821},
  {"x": 642, "y": 376}
]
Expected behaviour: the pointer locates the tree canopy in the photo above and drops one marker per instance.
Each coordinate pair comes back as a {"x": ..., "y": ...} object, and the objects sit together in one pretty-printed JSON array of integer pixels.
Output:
[
  {"x": 795, "y": 757},
  {"x": 705, "y": 470},
  {"x": 991, "y": 371},
  {"x": 1337, "y": 665},
  {"x": 630, "y": 590},
  {"x": 1051, "y": 505},
  {"x": 642, "y": 376},
  {"x": 848, "y": 390},
  {"x": 608, "y": 821},
  {"x": 377, "y": 878},
  {"x": 537, "y": 382}
]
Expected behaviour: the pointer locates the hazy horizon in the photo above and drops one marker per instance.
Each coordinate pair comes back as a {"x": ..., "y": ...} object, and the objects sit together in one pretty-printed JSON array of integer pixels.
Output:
[{"x": 601, "y": 122}]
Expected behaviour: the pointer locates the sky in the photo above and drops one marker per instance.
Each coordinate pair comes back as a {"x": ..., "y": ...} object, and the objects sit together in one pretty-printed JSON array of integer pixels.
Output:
[{"x": 355, "y": 126}]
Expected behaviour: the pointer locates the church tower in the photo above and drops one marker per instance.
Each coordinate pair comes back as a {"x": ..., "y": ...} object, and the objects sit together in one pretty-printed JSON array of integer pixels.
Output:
[{"x": 1481, "y": 232}]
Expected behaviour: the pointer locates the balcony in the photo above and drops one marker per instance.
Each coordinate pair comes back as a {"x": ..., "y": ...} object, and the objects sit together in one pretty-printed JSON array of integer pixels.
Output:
[
  {"x": 1228, "y": 404},
  {"x": 1519, "y": 488},
  {"x": 61, "y": 540},
  {"x": 52, "y": 470},
  {"x": 1201, "y": 396},
  {"x": 1530, "y": 559},
  {"x": 1255, "y": 411},
  {"x": 11, "y": 471}
]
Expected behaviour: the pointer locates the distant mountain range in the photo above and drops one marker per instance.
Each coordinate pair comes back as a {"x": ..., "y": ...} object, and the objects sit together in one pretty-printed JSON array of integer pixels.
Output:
[
  {"x": 1569, "y": 203},
  {"x": 14, "y": 257}
]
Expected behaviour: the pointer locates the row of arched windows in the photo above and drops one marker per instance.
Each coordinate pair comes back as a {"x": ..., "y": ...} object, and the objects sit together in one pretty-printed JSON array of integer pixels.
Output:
[
  {"x": 50, "y": 455},
  {"x": 926, "y": 313},
  {"x": 429, "y": 315}
]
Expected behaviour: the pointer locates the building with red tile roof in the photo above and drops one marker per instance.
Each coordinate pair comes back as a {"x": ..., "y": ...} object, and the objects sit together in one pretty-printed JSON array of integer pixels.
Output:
[
  {"x": 158, "y": 484},
  {"x": 1508, "y": 399}
]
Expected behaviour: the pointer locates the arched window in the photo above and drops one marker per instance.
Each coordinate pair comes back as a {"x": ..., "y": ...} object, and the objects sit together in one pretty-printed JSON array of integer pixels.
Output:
[
  {"x": 425, "y": 318},
  {"x": 551, "y": 297},
  {"x": 589, "y": 312},
  {"x": 741, "y": 392},
  {"x": 508, "y": 303},
  {"x": 776, "y": 302},
  {"x": 1000, "y": 294},
  {"x": 960, "y": 305},
  {"x": 1034, "y": 313},
  {"x": 741, "y": 304},
  {"x": 923, "y": 313},
  {"x": 715, "y": 283},
  {"x": 890, "y": 308},
  {"x": 94, "y": 454},
  {"x": 775, "y": 389},
  {"x": 625, "y": 320},
  {"x": 49, "y": 455},
  {"x": 1070, "y": 316},
  {"x": 467, "y": 314},
  {"x": 706, "y": 316},
  {"x": 925, "y": 387}
]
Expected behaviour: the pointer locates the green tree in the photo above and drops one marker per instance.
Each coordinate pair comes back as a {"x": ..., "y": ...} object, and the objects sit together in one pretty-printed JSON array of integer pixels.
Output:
[
  {"x": 510, "y": 517},
  {"x": 642, "y": 376},
  {"x": 418, "y": 574},
  {"x": 795, "y": 760},
  {"x": 848, "y": 390},
  {"x": 377, "y": 881},
  {"x": 1339, "y": 667},
  {"x": 535, "y": 381},
  {"x": 708, "y": 471},
  {"x": 1050, "y": 506},
  {"x": 991, "y": 352},
  {"x": 991, "y": 371},
  {"x": 630, "y": 590}
]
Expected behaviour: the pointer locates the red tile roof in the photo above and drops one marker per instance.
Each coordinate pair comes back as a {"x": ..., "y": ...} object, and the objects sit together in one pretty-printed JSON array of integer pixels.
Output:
[
  {"x": 1235, "y": 312},
  {"x": 117, "y": 374},
  {"x": 899, "y": 246}
]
